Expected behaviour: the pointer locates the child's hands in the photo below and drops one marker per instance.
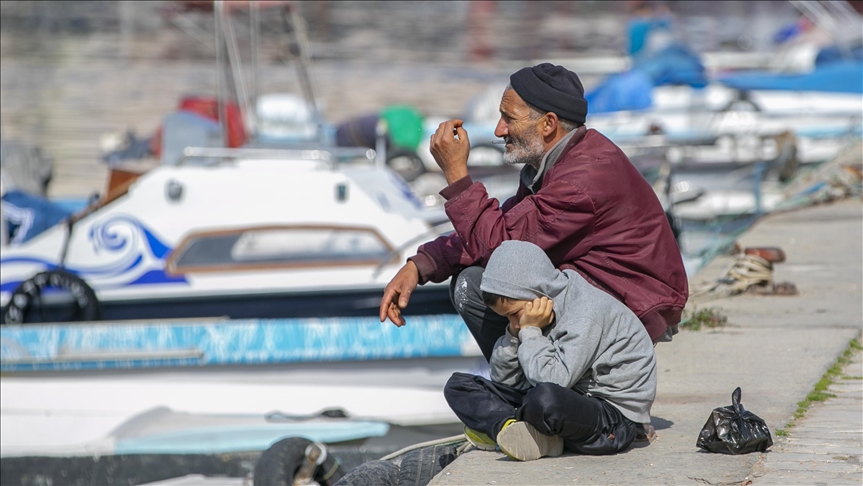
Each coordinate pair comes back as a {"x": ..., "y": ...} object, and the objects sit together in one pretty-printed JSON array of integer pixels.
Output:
[{"x": 538, "y": 313}]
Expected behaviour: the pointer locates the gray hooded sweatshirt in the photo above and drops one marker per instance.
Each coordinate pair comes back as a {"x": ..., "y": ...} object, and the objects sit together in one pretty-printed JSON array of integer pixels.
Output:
[{"x": 595, "y": 345}]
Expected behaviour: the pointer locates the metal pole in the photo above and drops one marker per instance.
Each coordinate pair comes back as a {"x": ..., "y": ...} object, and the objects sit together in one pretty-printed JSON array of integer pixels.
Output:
[
  {"x": 254, "y": 21},
  {"x": 304, "y": 66},
  {"x": 381, "y": 143},
  {"x": 236, "y": 70},
  {"x": 757, "y": 175},
  {"x": 218, "y": 8}
]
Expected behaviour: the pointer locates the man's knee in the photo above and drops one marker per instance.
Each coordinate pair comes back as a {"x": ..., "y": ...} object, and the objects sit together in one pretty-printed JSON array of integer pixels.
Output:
[{"x": 464, "y": 289}]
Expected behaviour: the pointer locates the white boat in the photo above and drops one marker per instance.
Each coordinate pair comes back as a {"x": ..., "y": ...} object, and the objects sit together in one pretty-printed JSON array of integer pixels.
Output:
[
  {"x": 259, "y": 233},
  {"x": 210, "y": 387}
]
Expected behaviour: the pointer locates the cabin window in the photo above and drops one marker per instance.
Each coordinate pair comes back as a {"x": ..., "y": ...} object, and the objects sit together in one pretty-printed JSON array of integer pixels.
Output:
[{"x": 257, "y": 248}]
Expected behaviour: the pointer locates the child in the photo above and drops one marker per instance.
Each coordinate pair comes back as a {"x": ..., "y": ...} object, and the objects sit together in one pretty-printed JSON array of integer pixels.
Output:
[{"x": 575, "y": 369}]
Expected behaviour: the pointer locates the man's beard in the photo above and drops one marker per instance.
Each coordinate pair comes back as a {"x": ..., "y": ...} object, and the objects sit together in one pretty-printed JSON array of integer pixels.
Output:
[{"x": 526, "y": 149}]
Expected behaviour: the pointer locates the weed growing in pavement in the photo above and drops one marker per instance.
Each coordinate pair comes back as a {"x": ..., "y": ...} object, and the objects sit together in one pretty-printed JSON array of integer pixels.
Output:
[
  {"x": 708, "y": 317},
  {"x": 819, "y": 392}
]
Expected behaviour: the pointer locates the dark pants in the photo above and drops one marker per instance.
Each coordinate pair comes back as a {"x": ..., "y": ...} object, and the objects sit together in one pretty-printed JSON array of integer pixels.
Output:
[
  {"x": 588, "y": 425},
  {"x": 485, "y": 325}
]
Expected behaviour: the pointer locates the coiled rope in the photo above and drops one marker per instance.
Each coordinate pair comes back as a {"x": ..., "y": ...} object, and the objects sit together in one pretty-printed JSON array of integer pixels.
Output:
[{"x": 745, "y": 272}]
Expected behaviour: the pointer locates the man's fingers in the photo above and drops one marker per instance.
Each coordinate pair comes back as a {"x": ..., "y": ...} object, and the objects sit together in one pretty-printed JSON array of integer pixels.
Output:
[
  {"x": 451, "y": 127},
  {"x": 395, "y": 315},
  {"x": 385, "y": 304},
  {"x": 444, "y": 128},
  {"x": 386, "y": 301},
  {"x": 462, "y": 134},
  {"x": 404, "y": 297}
]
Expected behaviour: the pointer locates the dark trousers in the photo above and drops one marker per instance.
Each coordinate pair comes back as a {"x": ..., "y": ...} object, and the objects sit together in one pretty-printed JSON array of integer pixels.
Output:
[
  {"x": 588, "y": 425},
  {"x": 485, "y": 325}
]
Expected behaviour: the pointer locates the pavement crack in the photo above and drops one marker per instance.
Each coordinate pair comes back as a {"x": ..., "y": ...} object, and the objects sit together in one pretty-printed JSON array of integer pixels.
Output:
[{"x": 720, "y": 483}]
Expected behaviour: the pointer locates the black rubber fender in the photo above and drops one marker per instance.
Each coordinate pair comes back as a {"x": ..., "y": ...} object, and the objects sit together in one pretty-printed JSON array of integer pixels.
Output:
[
  {"x": 419, "y": 466},
  {"x": 87, "y": 305},
  {"x": 406, "y": 163},
  {"x": 278, "y": 465},
  {"x": 372, "y": 473}
]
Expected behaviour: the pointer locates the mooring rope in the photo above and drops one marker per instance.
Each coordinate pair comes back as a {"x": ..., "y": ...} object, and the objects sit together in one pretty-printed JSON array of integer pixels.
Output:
[{"x": 746, "y": 271}]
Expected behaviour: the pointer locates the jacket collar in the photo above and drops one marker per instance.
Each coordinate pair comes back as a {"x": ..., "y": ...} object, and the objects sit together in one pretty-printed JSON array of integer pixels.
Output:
[{"x": 532, "y": 178}]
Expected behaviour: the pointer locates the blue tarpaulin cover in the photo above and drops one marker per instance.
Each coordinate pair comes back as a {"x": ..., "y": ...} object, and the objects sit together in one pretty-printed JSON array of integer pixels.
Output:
[
  {"x": 631, "y": 90},
  {"x": 837, "y": 77}
]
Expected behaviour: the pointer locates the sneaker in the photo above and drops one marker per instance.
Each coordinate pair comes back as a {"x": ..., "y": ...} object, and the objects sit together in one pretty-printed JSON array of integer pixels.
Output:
[
  {"x": 479, "y": 440},
  {"x": 522, "y": 442}
]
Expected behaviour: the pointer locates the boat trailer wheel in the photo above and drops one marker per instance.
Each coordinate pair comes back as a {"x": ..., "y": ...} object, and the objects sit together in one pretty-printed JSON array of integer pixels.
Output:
[{"x": 28, "y": 297}]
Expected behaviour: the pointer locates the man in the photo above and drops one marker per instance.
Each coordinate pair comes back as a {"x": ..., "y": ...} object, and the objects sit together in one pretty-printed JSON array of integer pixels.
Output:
[{"x": 579, "y": 199}]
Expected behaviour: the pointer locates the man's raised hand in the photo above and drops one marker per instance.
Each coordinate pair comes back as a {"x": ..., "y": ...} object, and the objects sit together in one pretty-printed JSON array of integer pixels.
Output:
[
  {"x": 397, "y": 294},
  {"x": 450, "y": 148}
]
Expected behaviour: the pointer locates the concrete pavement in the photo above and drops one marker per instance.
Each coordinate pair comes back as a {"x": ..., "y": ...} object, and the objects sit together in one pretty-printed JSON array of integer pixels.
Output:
[
  {"x": 823, "y": 447},
  {"x": 775, "y": 348}
]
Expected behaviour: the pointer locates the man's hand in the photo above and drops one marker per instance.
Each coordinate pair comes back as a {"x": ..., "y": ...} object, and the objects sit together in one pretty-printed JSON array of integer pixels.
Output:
[
  {"x": 538, "y": 313},
  {"x": 398, "y": 293},
  {"x": 450, "y": 152}
]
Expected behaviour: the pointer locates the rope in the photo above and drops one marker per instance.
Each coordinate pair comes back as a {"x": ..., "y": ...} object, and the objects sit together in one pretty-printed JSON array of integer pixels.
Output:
[
  {"x": 746, "y": 271},
  {"x": 838, "y": 178},
  {"x": 446, "y": 440}
]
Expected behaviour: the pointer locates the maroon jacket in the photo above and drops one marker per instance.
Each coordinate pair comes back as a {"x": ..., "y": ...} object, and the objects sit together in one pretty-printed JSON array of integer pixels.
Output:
[{"x": 593, "y": 212}]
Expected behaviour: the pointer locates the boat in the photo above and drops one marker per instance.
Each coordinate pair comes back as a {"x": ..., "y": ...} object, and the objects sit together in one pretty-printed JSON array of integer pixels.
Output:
[
  {"x": 242, "y": 233},
  {"x": 225, "y": 386}
]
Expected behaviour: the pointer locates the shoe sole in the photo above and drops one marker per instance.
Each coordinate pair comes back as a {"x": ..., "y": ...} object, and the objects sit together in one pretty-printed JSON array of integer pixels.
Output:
[{"x": 522, "y": 442}]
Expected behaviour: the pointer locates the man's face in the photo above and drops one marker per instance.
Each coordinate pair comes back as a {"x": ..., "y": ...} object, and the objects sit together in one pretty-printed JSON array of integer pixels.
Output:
[{"x": 516, "y": 126}]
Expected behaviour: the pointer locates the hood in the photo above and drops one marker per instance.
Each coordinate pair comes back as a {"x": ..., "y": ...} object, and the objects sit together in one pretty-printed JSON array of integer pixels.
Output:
[{"x": 522, "y": 271}]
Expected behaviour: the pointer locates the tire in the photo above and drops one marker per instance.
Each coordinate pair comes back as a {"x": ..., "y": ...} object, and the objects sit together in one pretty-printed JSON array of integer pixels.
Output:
[
  {"x": 278, "y": 465},
  {"x": 406, "y": 163},
  {"x": 418, "y": 467},
  {"x": 485, "y": 155},
  {"x": 86, "y": 306},
  {"x": 373, "y": 473}
]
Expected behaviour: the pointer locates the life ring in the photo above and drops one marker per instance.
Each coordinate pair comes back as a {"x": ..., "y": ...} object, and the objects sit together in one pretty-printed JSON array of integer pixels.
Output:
[
  {"x": 281, "y": 463},
  {"x": 20, "y": 308}
]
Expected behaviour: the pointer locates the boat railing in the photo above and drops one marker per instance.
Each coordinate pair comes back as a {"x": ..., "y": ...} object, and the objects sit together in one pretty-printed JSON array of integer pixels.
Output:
[
  {"x": 433, "y": 232},
  {"x": 330, "y": 155}
]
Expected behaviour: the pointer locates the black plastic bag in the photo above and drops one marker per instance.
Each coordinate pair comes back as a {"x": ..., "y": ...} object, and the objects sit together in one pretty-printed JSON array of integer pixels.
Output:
[{"x": 734, "y": 430}]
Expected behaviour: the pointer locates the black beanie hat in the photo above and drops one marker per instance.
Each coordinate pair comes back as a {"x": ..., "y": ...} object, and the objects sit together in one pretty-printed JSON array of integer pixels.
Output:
[{"x": 551, "y": 88}]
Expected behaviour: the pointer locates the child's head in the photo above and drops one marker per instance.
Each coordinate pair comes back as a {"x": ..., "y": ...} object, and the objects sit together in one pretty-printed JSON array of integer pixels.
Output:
[
  {"x": 505, "y": 306},
  {"x": 521, "y": 270},
  {"x": 517, "y": 273}
]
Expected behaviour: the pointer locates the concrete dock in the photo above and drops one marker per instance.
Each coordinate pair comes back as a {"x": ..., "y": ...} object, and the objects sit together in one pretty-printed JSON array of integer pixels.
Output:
[{"x": 775, "y": 348}]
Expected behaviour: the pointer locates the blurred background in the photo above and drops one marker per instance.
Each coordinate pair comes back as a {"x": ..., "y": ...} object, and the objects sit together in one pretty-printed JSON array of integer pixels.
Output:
[
  {"x": 202, "y": 203},
  {"x": 75, "y": 71}
]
